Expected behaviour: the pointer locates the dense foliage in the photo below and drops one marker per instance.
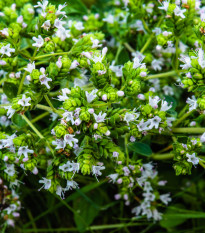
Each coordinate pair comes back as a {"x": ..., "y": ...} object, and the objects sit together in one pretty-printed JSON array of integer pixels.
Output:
[{"x": 102, "y": 113}]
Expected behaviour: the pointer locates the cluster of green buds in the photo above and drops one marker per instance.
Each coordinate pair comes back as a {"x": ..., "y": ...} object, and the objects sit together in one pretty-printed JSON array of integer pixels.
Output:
[
  {"x": 186, "y": 155},
  {"x": 10, "y": 206}
]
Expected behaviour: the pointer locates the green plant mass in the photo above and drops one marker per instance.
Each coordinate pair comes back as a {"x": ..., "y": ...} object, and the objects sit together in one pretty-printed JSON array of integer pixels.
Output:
[{"x": 102, "y": 116}]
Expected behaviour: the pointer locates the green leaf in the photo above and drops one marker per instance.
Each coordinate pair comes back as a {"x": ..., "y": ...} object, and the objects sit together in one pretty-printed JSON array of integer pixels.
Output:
[
  {"x": 10, "y": 89},
  {"x": 140, "y": 148},
  {"x": 122, "y": 57},
  {"x": 87, "y": 208},
  {"x": 18, "y": 120},
  {"x": 170, "y": 220}
]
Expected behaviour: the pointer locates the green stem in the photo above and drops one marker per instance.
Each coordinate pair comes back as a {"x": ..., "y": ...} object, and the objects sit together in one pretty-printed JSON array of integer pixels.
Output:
[
  {"x": 183, "y": 118},
  {"x": 162, "y": 156},
  {"x": 50, "y": 103},
  {"x": 41, "y": 116},
  {"x": 99, "y": 105},
  {"x": 49, "y": 109},
  {"x": 21, "y": 83},
  {"x": 126, "y": 148},
  {"x": 37, "y": 63},
  {"x": 202, "y": 164},
  {"x": 189, "y": 130},
  {"x": 32, "y": 126},
  {"x": 50, "y": 55},
  {"x": 129, "y": 48},
  {"x": 1, "y": 90},
  {"x": 147, "y": 43},
  {"x": 37, "y": 132},
  {"x": 101, "y": 227},
  {"x": 162, "y": 75}
]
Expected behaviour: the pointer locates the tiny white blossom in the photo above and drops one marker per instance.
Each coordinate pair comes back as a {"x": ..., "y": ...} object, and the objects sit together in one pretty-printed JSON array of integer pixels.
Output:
[
  {"x": 154, "y": 101},
  {"x": 10, "y": 170},
  {"x": 164, "y": 106},
  {"x": 10, "y": 111},
  {"x": 202, "y": 138},
  {"x": 23, "y": 150},
  {"x": 96, "y": 170},
  {"x": 46, "y": 25},
  {"x": 192, "y": 158},
  {"x": 165, "y": 198},
  {"x": 179, "y": 12},
  {"x": 100, "y": 117},
  {"x": 24, "y": 101},
  {"x": 30, "y": 67},
  {"x": 164, "y": 6},
  {"x": 46, "y": 183},
  {"x": 69, "y": 139},
  {"x": 6, "y": 50},
  {"x": 91, "y": 96},
  {"x": 192, "y": 103},
  {"x": 39, "y": 41}
]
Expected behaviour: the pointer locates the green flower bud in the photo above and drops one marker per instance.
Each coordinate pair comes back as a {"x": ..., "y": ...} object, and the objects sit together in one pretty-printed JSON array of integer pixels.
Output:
[
  {"x": 35, "y": 75},
  {"x": 60, "y": 131},
  {"x": 85, "y": 116},
  {"x": 71, "y": 103}
]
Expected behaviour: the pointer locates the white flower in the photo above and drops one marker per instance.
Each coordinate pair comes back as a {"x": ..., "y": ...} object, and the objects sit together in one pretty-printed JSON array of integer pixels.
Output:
[
  {"x": 202, "y": 138},
  {"x": 10, "y": 111},
  {"x": 137, "y": 62},
  {"x": 192, "y": 103},
  {"x": 130, "y": 117},
  {"x": 71, "y": 184},
  {"x": 113, "y": 177},
  {"x": 96, "y": 170},
  {"x": 42, "y": 5},
  {"x": 179, "y": 12},
  {"x": 59, "y": 23},
  {"x": 109, "y": 19},
  {"x": 30, "y": 67},
  {"x": 10, "y": 170},
  {"x": 168, "y": 90},
  {"x": 79, "y": 26},
  {"x": 192, "y": 158},
  {"x": 60, "y": 143},
  {"x": 165, "y": 198},
  {"x": 46, "y": 183},
  {"x": 39, "y": 41},
  {"x": 5, "y": 32},
  {"x": 95, "y": 43},
  {"x": 154, "y": 101},
  {"x": 60, "y": 7},
  {"x": 68, "y": 116},
  {"x": 44, "y": 79},
  {"x": 69, "y": 139},
  {"x": 46, "y": 25},
  {"x": 67, "y": 167},
  {"x": 164, "y": 6},
  {"x": 154, "y": 122},
  {"x": 201, "y": 60},
  {"x": 64, "y": 97},
  {"x": 164, "y": 106},
  {"x": 117, "y": 70},
  {"x": 60, "y": 191},
  {"x": 187, "y": 62},
  {"x": 24, "y": 150},
  {"x": 91, "y": 96},
  {"x": 62, "y": 33},
  {"x": 157, "y": 64},
  {"x": 6, "y": 50},
  {"x": 74, "y": 64},
  {"x": 24, "y": 101},
  {"x": 100, "y": 117},
  {"x": 156, "y": 215}
]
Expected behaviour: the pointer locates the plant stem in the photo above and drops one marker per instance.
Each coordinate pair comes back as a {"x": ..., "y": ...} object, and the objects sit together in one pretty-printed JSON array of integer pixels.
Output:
[
  {"x": 162, "y": 156},
  {"x": 129, "y": 48},
  {"x": 41, "y": 116},
  {"x": 126, "y": 148},
  {"x": 182, "y": 118},
  {"x": 177, "y": 54},
  {"x": 99, "y": 105},
  {"x": 32, "y": 126},
  {"x": 50, "y": 55},
  {"x": 189, "y": 130},
  {"x": 162, "y": 75},
  {"x": 37, "y": 132},
  {"x": 21, "y": 83},
  {"x": 146, "y": 45},
  {"x": 1, "y": 90},
  {"x": 49, "y": 103},
  {"x": 202, "y": 164},
  {"x": 49, "y": 109}
]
